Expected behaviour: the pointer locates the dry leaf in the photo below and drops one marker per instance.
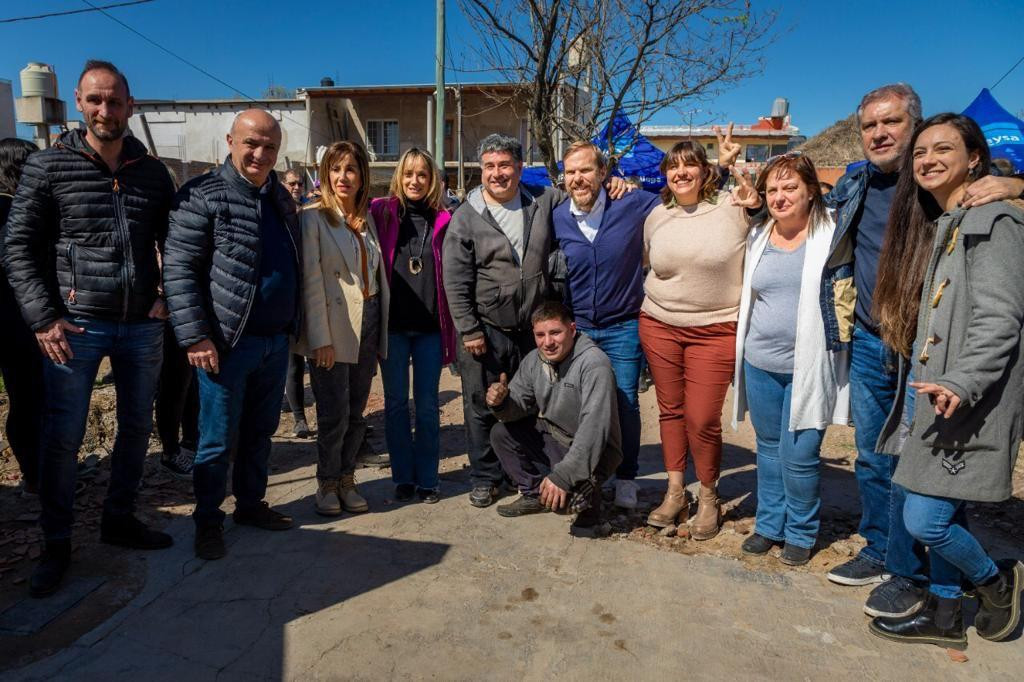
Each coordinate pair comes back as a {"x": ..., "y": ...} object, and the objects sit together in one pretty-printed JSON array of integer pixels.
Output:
[{"x": 957, "y": 656}]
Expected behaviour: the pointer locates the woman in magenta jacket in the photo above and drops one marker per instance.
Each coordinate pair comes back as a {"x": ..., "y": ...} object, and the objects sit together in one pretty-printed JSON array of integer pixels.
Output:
[{"x": 411, "y": 222}]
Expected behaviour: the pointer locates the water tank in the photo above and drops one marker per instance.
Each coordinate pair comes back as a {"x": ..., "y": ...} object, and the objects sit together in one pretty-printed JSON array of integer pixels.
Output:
[
  {"x": 780, "y": 107},
  {"x": 326, "y": 82},
  {"x": 38, "y": 80}
]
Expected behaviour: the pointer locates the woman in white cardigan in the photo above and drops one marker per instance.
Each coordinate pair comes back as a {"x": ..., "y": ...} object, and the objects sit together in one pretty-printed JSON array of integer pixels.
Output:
[
  {"x": 791, "y": 383},
  {"x": 345, "y": 308}
]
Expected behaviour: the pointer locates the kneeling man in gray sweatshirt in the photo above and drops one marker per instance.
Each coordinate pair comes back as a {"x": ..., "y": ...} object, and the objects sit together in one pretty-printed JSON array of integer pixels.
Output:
[{"x": 558, "y": 436}]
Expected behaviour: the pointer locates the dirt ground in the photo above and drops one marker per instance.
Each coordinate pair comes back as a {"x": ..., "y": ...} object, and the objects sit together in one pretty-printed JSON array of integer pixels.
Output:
[{"x": 162, "y": 498}]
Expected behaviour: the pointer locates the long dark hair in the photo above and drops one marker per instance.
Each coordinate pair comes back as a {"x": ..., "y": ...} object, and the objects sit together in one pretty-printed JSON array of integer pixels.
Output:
[
  {"x": 13, "y": 154},
  {"x": 687, "y": 152},
  {"x": 909, "y": 235}
]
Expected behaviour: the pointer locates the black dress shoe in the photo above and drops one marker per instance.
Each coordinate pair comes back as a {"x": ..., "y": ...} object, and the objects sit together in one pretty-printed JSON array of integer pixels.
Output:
[
  {"x": 210, "y": 542},
  {"x": 999, "y": 612},
  {"x": 795, "y": 556},
  {"x": 757, "y": 544},
  {"x": 47, "y": 576},
  {"x": 128, "y": 531},
  {"x": 939, "y": 622},
  {"x": 404, "y": 492},
  {"x": 262, "y": 516}
]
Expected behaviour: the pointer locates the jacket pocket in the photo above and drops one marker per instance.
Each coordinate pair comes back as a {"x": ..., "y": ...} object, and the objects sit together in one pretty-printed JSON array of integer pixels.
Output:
[{"x": 500, "y": 310}]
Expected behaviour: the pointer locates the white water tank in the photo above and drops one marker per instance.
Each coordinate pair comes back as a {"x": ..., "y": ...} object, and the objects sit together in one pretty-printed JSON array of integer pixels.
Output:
[
  {"x": 780, "y": 107},
  {"x": 38, "y": 80}
]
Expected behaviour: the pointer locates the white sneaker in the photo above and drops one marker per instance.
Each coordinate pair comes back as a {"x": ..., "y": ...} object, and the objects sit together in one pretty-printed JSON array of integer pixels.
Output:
[{"x": 625, "y": 494}]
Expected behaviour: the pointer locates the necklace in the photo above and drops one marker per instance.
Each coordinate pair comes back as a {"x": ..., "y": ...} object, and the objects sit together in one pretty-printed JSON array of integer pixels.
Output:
[{"x": 416, "y": 262}]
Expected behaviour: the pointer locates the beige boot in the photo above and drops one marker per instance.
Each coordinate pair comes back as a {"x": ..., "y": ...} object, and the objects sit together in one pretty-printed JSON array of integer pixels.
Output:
[
  {"x": 327, "y": 502},
  {"x": 351, "y": 500},
  {"x": 708, "y": 519},
  {"x": 674, "y": 509}
]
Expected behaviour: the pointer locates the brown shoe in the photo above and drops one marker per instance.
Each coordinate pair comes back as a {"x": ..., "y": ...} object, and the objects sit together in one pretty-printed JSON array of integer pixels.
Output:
[
  {"x": 707, "y": 521},
  {"x": 351, "y": 500},
  {"x": 674, "y": 509}
]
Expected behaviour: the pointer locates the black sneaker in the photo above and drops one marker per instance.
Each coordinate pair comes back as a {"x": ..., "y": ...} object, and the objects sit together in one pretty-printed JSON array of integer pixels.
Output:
[
  {"x": 757, "y": 544},
  {"x": 521, "y": 506},
  {"x": 262, "y": 516},
  {"x": 180, "y": 464},
  {"x": 858, "y": 571},
  {"x": 428, "y": 495},
  {"x": 999, "y": 612},
  {"x": 209, "y": 543},
  {"x": 897, "y": 597},
  {"x": 128, "y": 531},
  {"x": 939, "y": 622},
  {"x": 589, "y": 524},
  {"x": 404, "y": 492},
  {"x": 483, "y": 495},
  {"x": 47, "y": 576},
  {"x": 795, "y": 556}
]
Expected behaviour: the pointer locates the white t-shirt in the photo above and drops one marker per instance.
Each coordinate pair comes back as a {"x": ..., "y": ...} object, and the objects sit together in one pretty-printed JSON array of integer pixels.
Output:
[
  {"x": 589, "y": 223},
  {"x": 509, "y": 217}
]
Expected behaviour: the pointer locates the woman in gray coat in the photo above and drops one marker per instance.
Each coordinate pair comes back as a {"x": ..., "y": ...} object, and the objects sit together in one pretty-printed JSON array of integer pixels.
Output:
[{"x": 950, "y": 299}]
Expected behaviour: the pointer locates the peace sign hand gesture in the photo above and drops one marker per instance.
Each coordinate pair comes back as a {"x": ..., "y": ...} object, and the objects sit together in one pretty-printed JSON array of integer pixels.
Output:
[
  {"x": 744, "y": 194},
  {"x": 728, "y": 151}
]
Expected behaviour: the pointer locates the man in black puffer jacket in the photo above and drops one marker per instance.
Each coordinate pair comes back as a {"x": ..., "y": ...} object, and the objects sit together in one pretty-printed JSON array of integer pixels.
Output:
[
  {"x": 232, "y": 273},
  {"x": 82, "y": 240}
]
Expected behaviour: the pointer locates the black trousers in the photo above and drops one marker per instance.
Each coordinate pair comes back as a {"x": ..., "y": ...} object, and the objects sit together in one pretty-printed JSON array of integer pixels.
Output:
[
  {"x": 295, "y": 388},
  {"x": 526, "y": 452},
  {"x": 22, "y": 365},
  {"x": 505, "y": 350},
  {"x": 177, "y": 400}
]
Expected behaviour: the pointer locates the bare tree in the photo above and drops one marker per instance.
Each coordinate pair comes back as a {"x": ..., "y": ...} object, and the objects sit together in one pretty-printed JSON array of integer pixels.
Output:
[{"x": 580, "y": 61}]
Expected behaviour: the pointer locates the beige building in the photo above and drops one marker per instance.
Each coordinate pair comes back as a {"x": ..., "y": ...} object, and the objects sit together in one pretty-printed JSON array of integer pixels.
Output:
[{"x": 387, "y": 119}]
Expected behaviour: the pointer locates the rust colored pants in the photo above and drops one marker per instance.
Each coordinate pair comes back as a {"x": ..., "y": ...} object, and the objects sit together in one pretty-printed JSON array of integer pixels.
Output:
[{"x": 692, "y": 368}]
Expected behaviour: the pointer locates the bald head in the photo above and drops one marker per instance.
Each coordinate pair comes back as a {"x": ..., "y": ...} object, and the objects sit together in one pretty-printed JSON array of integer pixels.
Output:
[{"x": 253, "y": 143}]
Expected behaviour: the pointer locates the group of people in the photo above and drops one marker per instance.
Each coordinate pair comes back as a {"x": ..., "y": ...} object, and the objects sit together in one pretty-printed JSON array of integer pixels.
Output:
[{"x": 893, "y": 302}]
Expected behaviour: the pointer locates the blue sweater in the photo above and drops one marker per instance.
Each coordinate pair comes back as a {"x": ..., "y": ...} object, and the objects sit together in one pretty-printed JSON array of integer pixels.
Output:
[
  {"x": 274, "y": 306},
  {"x": 606, "y": 278}
]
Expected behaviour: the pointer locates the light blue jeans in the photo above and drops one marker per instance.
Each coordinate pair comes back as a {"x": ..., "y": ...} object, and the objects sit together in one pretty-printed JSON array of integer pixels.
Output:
[{"x": 788, "y": 462}]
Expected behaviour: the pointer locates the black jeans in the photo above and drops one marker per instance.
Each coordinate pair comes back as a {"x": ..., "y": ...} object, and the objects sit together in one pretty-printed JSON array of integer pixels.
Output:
[
  {"x": 22, "y": 366},
  {"x": 177, "y": 400},
  {"x": 295, "y": 387},
  {"x": 526, "y": 452},
  {"x": 341, "y": 393},
  {"x": 505, "y": 350}
]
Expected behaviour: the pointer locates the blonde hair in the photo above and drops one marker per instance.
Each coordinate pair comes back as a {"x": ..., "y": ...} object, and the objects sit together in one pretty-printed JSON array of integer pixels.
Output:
[
  {"x": 433, "y": 197},
  {"x": 329, "y": 204}
]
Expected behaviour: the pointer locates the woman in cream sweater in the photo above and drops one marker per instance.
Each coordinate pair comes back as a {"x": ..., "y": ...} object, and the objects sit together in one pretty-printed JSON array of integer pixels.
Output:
[
  {"x": 345, "y": 294},
  {"x": 694, "y": 243}
]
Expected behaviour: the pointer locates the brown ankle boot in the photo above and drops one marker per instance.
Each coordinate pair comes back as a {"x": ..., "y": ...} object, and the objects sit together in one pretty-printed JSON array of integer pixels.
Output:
[
  {"x": 674, "y": 509},
  {"x": 709, "y": 514}
]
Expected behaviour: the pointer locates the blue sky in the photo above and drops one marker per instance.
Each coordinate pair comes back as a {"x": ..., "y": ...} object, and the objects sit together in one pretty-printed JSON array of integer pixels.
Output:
[{"x": 826, "y": 55}]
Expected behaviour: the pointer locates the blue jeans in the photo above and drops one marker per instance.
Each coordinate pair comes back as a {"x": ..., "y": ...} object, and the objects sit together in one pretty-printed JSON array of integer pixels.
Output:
[
  {"x": 136, "y": 352},
  {"x": 941, "y": 524},
  {"x": 788, "y": 462},
  {"x": 873, "y": 384},
  {"x": 413, "y": 461},
  {"x": 239, "y": 409},
  {"x": 621, "y": 343}
]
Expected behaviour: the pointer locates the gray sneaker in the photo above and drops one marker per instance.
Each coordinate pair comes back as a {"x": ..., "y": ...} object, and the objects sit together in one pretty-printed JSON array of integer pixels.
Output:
[{"x": 897, "y": 597}]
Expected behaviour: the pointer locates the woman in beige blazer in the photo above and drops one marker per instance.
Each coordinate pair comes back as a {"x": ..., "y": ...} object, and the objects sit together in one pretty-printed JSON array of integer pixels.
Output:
[{"x": 346, "y": 308}]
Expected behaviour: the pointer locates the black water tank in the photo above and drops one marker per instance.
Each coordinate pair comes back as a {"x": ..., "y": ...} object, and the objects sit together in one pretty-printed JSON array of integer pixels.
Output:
[{"x": 326, "y": 82}]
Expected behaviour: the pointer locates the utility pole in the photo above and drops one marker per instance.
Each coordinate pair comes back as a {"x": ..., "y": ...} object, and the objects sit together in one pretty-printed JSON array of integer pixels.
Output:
[{"x": 439, "y": 92}]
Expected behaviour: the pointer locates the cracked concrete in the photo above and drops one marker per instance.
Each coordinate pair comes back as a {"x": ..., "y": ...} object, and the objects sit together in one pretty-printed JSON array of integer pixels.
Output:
[{"x": 448, "y": 591}]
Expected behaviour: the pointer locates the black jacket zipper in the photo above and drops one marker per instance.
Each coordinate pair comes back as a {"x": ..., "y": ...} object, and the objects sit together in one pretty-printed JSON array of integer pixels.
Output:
[
  {"x": 72, "y": 292},
  {"x": 123, "y": 233}
]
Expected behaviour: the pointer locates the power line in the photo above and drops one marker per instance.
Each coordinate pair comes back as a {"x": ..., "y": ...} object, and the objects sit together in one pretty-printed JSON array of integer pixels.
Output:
[
  {"x": 1019, "y": 62},
  {"x": 74, "y": 11},
  {"x": 193, "y": 65}
]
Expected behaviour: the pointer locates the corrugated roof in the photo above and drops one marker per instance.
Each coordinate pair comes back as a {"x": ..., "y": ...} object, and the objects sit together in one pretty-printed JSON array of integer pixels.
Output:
[{"x": 709, "y": 131}]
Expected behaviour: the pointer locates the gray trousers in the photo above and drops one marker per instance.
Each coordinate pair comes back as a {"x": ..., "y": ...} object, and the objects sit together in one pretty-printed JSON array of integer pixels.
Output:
[{"x": 341, "y": 393}]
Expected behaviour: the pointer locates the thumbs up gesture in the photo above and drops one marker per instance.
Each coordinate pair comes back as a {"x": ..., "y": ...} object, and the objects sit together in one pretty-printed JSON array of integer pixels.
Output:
[{"x": 497, "y": 393}]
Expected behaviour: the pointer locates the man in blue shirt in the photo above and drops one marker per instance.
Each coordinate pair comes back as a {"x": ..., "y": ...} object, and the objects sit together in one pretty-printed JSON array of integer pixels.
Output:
[{"x": 601, "y": 240}]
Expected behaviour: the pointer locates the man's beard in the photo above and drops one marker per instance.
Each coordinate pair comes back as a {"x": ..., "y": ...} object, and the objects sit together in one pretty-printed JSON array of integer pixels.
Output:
[{"x": 112, "y": 131}]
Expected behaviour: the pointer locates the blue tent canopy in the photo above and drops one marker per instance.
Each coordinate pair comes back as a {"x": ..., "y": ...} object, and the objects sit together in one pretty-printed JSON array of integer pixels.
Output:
[
  {"x": 642, "y": 160},
  {"x": 1003, "y": 130}
]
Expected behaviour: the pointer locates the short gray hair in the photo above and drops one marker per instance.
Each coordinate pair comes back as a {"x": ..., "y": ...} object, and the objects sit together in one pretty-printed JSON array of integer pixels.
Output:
[
  {"x": 498, "y": 142},
  {"x": 898, "y": 90}
]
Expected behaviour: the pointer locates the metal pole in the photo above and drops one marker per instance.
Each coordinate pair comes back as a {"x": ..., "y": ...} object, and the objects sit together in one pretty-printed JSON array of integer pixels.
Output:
[
  {"x": 430, "y": 125},
  {"x": 458, "y": 132},
  {"x": 439, "y": 94}
]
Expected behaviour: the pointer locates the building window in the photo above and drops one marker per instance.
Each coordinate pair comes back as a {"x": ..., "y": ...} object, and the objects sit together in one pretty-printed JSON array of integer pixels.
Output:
[
  {"x": 382, "y": 139},
  {"x": 757, "y": 153}
]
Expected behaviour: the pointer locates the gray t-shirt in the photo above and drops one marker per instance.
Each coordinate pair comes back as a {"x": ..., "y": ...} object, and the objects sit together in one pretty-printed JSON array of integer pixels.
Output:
[
  {"x": 509, "y": 217},
  {"x": 771, "y": 337}
]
